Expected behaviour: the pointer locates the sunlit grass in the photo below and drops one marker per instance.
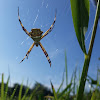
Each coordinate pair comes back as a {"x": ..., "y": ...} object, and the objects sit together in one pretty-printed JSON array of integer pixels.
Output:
[
  {"x": 4, "y": 92},
  {"x": 67, "y": 93}
]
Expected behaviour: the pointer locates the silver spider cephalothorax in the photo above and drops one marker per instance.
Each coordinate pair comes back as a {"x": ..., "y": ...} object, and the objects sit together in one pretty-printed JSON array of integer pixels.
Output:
[{"x": 36, "y": 35}]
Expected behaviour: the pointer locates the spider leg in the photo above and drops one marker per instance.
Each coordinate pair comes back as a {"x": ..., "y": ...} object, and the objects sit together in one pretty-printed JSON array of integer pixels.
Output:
[
  {"x": 27, "y": 54},
  {"x": 50, "y": 29},
  {"x": 22, "y": 24},
  {"x": 46, "y": 54}
]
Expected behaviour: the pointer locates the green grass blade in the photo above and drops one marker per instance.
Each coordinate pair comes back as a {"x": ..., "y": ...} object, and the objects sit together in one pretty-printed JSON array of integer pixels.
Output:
[
  {"x": 74, "y": 80},
  {"x": 12, "y": 96},
  {"x": 2, "y": 88},
  {"x": 61, "y": 84},
  {"x": 66, "y": 95},
  {"x": 65, "y": 90},
  {"x": 23, "y": 98},
  {"x": 66, "y": 69},
  {"x": 80, "y": 13},
  {"x": 94, "y": 96},
  {"x": 34, "y": 92},
  {"x": 54, "y": 92},
  {"x": 6, "y": 90},
  {"x": 20, "y": 92},
  {"x": 93, "y": 82},
  {"x": 83, "y": 78}
]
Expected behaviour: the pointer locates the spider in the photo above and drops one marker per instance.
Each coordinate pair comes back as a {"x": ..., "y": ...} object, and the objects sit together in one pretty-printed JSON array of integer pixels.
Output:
[{"x": 36, "y": 35}]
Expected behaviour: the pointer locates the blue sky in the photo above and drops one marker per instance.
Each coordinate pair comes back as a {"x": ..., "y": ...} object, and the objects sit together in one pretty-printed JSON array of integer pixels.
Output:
[{"x": 14, "y": 43}]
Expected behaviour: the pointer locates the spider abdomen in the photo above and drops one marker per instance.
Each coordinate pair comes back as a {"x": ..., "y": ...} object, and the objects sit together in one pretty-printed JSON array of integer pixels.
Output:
[
  {"x": 36, "y": 43},
  {"x": 36, "y": 38}
]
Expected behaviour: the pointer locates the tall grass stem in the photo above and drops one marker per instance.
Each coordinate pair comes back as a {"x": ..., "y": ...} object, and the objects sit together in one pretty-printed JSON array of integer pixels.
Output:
[{"x": 88, "y": 56}]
